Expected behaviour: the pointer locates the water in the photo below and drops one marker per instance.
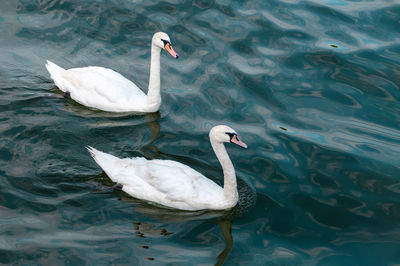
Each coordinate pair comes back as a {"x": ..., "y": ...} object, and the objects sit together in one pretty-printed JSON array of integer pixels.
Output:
[{"x": 311, "y": 86}]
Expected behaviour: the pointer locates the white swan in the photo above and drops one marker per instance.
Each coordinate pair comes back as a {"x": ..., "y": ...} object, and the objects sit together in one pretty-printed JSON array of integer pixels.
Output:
[
  {"x": 174, "y": 184},
  {"x": 107, "y": 90}
]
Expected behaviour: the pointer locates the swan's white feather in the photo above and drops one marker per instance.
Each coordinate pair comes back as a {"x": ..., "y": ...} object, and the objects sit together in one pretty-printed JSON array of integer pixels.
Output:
[
  {"x": 99, "y": 87},
  {"x": 167, "y": 182}
]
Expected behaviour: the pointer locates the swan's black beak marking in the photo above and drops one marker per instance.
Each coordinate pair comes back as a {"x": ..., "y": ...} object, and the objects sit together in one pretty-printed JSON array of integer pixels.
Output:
[
  {"x": 170, "y": 50},
  {"x": 231, "y": 135},
  {"x": 235, "y": 139}
]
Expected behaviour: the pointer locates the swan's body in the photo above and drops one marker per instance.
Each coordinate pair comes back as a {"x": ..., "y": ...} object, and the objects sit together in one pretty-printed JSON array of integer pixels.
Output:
[
  {"x": 174, "y": 184},
  {"x": 107, "y": 90}
]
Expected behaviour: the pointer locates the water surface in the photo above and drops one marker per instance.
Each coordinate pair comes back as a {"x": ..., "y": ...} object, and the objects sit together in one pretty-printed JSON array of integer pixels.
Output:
[{"x": 311, "y": 86}]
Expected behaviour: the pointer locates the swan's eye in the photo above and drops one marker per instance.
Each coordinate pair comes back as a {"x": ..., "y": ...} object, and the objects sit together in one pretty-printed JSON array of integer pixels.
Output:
[
  {"x": 165, "y": 42},
  {"x": 231, "y": 135}
]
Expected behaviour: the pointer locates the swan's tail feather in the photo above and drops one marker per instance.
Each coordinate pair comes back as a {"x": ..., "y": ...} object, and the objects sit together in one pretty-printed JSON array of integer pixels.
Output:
[
  {"x": 99, "y": 156},
  {"x": 92, "y": 151},
  {"x": 104, "y": 160},
  {"x": 53, "y": 69}
]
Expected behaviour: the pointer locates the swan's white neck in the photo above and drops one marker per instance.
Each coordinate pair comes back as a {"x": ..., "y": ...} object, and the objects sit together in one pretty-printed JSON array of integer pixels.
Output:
[
  {"x": 153, "y": 94},
  {"x": 230, "y": 186}
]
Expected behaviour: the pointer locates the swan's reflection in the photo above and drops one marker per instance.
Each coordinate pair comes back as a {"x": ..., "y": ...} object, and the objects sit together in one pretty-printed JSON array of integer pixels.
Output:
[
  {"x": 146, "y": 229},
  {"x": 226, "y": 230},
  {"x": 142, "y": 230},
  {"x": 106, "y": 120},
  {"x": 149, "y": 150}
]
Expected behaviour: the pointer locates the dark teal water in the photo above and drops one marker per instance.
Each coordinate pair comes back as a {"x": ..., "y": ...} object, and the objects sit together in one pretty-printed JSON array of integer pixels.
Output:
[{"x": 311, "y": 86}]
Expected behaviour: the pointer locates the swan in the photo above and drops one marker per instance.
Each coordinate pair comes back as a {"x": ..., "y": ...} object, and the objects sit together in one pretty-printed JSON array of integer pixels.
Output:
[
  {"x": 173, "y": 184},
  {"x": 107, "y": 90}
]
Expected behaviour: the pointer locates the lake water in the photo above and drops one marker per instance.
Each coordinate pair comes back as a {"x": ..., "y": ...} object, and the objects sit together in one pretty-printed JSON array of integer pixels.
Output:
[{"x": 311, "y": 86}]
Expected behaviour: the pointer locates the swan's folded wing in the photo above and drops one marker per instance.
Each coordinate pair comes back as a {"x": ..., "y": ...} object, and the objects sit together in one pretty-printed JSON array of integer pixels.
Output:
[
  {"x": 158, "y": 182},
  {"x": 177, "y": 181},
  {"x": 95, "y": 85},
  {"x": 128, "y": 171}
]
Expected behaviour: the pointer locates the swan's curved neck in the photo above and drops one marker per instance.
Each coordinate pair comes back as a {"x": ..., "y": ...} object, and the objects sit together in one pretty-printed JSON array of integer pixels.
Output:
[
  {"x": 153, "y": 94},
  {"x": 230, "y": 185}
]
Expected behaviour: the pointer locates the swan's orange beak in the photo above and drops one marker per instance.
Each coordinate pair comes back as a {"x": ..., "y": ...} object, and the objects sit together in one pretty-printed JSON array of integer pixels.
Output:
[
  {"x": 236, "y": 140},
  {"x": 170, "y": 50}
]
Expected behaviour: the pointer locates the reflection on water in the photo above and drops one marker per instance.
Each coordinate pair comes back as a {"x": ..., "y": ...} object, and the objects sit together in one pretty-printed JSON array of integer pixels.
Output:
[
  {"x": 149, "y": 150},
  {"x": 226, "y": 230},
  {"x": 153, "y": 230},
  {"x": 149, "y": 230}
]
